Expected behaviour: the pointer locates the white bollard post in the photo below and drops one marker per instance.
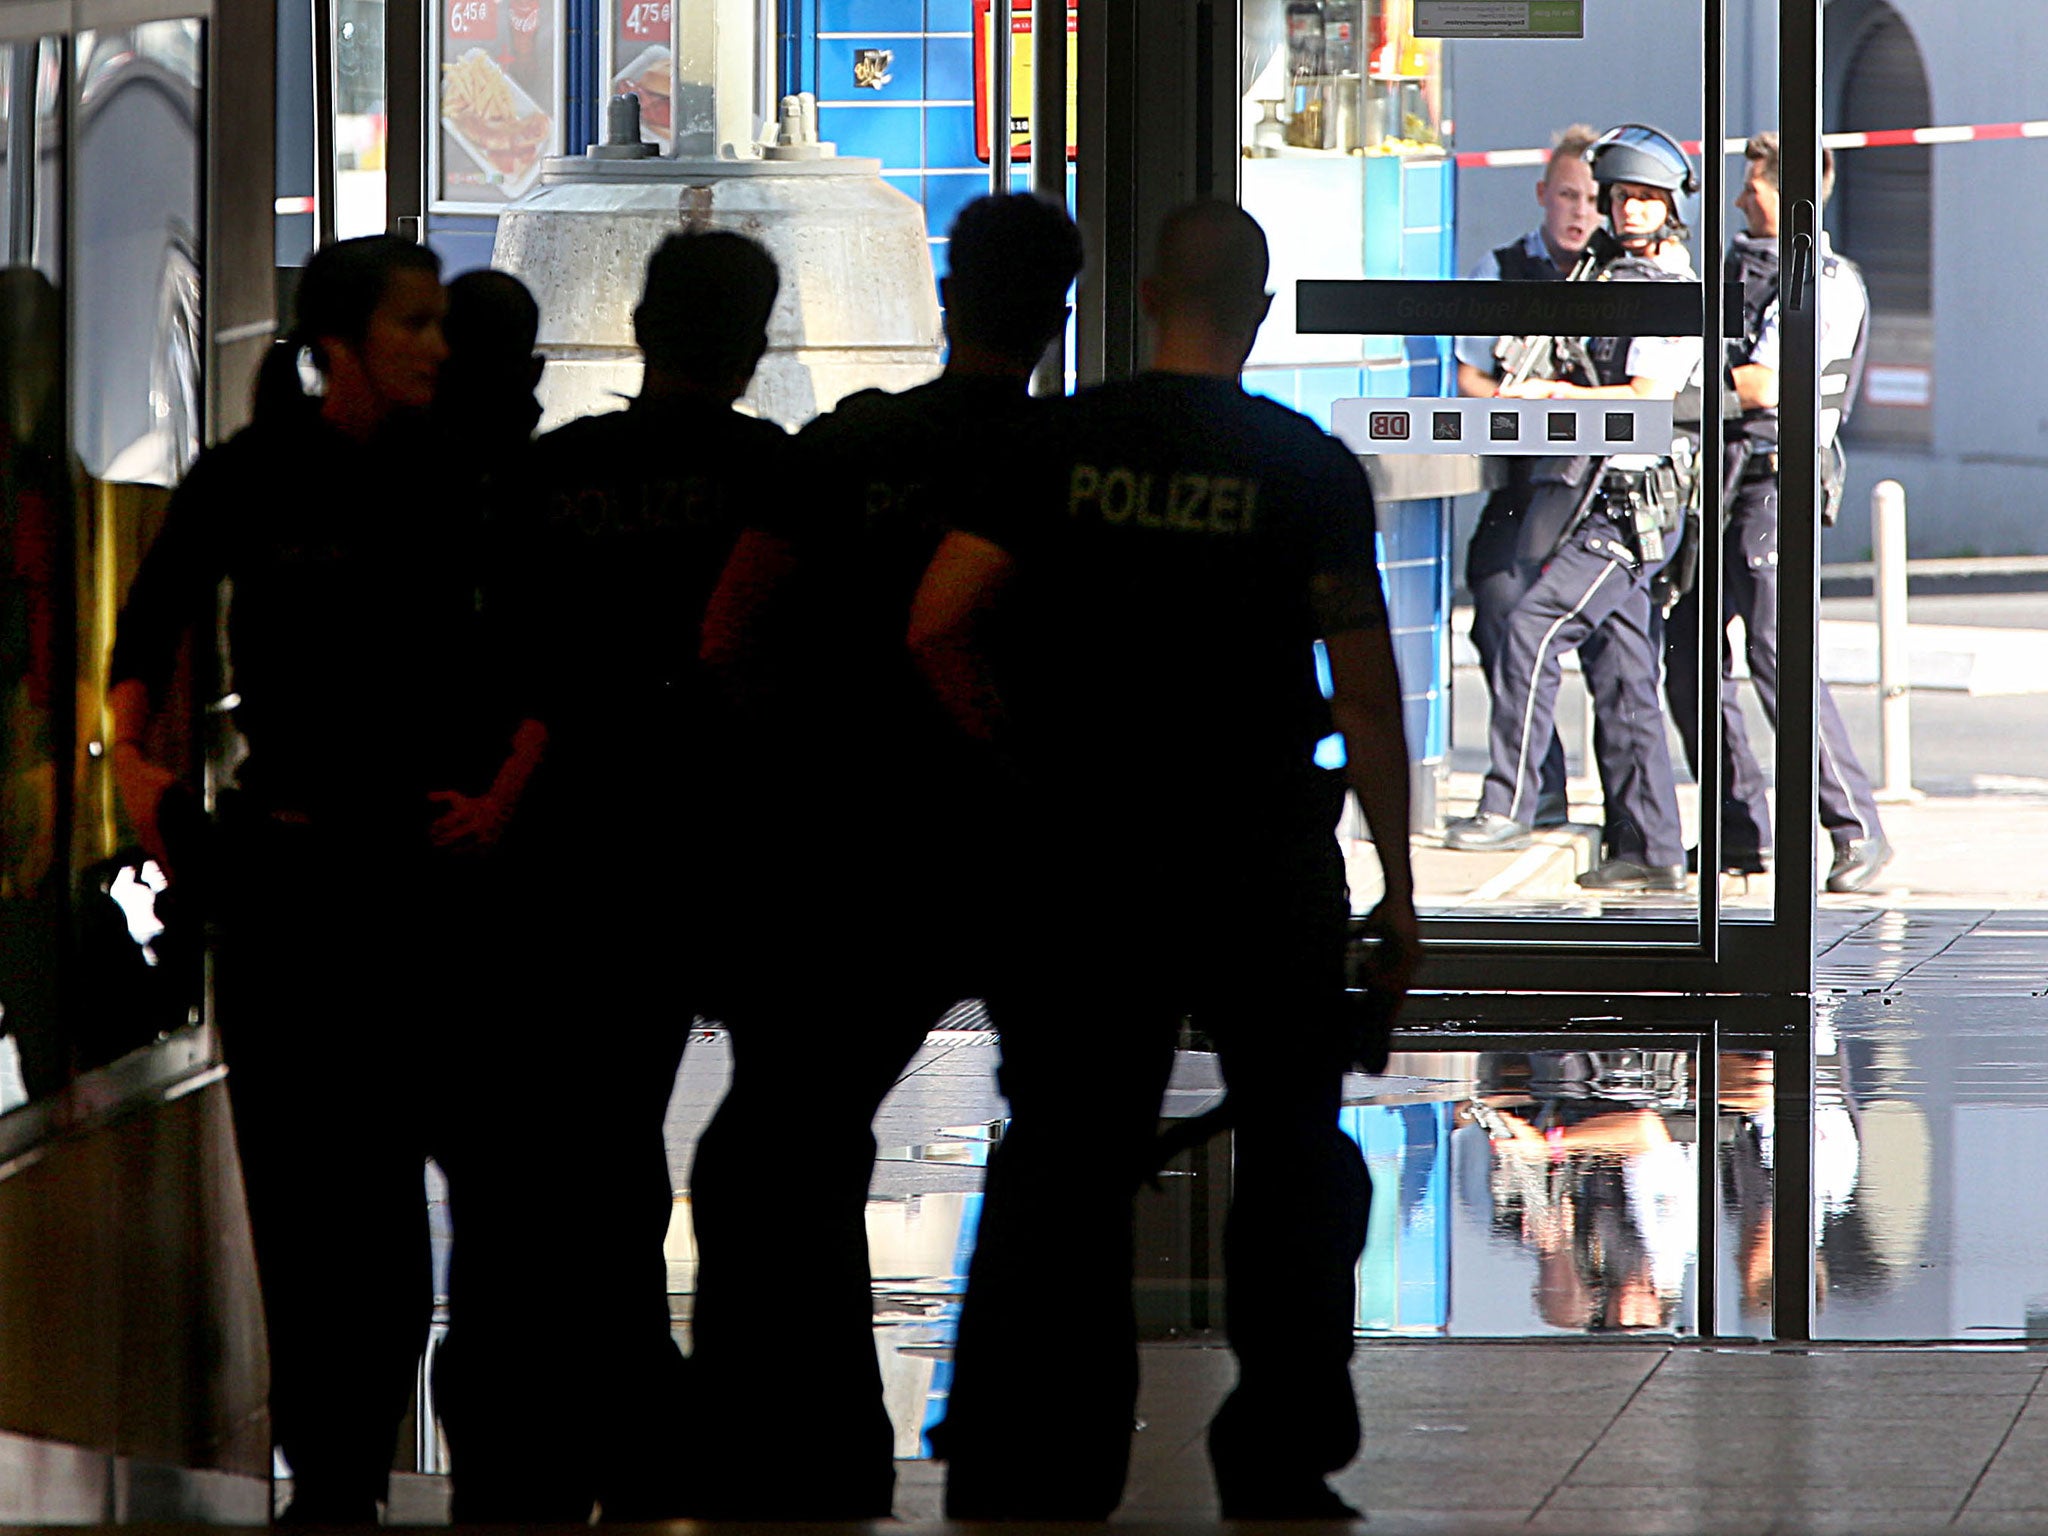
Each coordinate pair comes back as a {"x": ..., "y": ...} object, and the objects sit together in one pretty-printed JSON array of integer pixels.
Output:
[{"x": 1894, "y": 680}]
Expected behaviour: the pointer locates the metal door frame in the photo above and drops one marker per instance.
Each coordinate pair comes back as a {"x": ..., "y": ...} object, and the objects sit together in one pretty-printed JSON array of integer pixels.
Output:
[
  {"x": 1158, "y": 124},
  {"x": 1158, "y": 119}
]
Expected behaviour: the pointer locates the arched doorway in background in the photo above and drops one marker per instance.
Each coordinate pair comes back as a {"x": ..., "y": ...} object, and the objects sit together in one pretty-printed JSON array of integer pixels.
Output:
[{"x": 1882, "y": 214}]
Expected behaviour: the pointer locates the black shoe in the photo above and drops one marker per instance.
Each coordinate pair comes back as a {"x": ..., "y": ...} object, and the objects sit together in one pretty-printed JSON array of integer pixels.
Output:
[
  {"x": 331, "y": 1509},
  {"x": 1311, "y": 1501},
  {"x": 1857, "y": 863},
  {"x": 1628, "y": 875},
  {"x": 1552, "y": 811},
  {"x": 1734, "y": 861},
  {"x": 1486, "y": 833}
]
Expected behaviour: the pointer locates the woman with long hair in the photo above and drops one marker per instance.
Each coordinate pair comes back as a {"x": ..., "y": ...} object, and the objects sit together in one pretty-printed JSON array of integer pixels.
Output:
[{"x": 347, "y": 870}]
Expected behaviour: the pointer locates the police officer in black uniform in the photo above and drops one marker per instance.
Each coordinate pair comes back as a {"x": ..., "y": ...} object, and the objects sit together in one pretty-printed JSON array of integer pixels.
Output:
[
  {"x": 632, "y": 517},
  {"x": 1161, "y": 560},
  {"x": 1497, "y": 573},
  {"x": 1608, "y": 527},
  {"x": 353, "y": 867},
  {"x": 808, "y": 625},
  {"x": 1848, "y": 810}
]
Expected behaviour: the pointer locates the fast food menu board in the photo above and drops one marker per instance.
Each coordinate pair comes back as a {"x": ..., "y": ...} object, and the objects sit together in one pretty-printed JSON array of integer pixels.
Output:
[
  {"x": 499, "y": 68},
  {"x": 641, "y": 63}
]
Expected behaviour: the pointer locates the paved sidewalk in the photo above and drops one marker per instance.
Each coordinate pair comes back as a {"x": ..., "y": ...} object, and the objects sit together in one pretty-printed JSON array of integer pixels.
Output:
[{"x": 1979, "y": 836}]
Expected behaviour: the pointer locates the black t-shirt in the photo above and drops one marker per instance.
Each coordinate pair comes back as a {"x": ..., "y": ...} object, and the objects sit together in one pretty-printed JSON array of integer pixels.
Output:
[
  {"x": 1157, "y": 645},
  {"x": 613, "y": 558},
  {"x": 884, "y": 477},
  {"x": 353, "y": 629}
]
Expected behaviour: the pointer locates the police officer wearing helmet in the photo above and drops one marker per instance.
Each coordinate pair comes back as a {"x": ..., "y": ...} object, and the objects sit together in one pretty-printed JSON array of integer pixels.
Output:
[
  {"x": 1848, "y": 810},
  {"x": 1603, "y": 528},
  {"x": 1496, "y": 573}
]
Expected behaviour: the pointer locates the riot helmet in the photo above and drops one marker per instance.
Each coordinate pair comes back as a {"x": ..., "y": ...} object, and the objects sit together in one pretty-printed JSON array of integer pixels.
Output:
[{"x": 1647, "y": 157}]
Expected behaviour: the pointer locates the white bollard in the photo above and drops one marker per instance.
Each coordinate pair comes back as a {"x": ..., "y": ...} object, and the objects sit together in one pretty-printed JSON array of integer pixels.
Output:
[{"x": 1894, "y": 679}]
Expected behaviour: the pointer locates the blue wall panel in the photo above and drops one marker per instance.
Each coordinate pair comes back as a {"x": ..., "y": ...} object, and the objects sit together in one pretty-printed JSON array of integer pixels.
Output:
[{"x": 870, "y": 15}]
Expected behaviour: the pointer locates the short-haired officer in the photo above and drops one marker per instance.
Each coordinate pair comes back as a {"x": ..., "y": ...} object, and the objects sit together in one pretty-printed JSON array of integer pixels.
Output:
[
  {"x": 1497, "y": 573},
  {"x": 807, "y": 624},
  {"x": 629, "y": 521},
  {"x": 1617, "y": 521},
  {"x": 1161, "y": 564},
  {"x": 1848, "y": 810}
]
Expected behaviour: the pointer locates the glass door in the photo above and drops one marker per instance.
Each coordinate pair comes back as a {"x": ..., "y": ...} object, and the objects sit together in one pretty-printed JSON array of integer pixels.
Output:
[{"x": 1498, "y": 238}]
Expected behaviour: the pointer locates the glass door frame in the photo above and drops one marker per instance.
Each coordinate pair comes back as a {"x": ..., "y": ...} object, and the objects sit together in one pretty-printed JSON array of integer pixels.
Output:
[{"x": 1159, "y": 124}]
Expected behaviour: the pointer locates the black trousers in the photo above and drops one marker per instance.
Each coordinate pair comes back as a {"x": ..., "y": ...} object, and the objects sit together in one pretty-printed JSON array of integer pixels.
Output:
[
  {"x": 1848, "y": 809},
  {"x": 1251, "y": 943},
  {"x": 341, "y": 1000},
  {"x": 560, "y": 1383},
  {"x": 521, "y": 1021},
  {"x": 1593, "y": 597},
  {"x": 825, "y": 1016},
  {"x": 1499, "y": 575}
]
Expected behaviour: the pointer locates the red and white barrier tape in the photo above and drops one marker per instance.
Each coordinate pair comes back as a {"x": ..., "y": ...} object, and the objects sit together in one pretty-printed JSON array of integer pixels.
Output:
[{"x": 1876, "y": 138}]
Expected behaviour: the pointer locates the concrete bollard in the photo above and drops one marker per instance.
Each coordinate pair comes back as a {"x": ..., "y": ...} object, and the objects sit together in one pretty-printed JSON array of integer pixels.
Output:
[{"x": 1894, "y": 680}]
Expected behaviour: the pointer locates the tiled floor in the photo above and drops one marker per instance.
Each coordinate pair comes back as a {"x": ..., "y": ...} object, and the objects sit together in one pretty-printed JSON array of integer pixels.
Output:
[{"x": 1486, "y": 1405}]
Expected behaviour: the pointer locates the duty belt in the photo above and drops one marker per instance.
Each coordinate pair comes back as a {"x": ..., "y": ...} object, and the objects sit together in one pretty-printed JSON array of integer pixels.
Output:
[{"x": 1760, "y": 466}]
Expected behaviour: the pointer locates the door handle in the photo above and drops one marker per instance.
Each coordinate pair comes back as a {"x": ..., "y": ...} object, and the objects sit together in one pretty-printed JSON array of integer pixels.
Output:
[{"x": 1799, "y": 278}]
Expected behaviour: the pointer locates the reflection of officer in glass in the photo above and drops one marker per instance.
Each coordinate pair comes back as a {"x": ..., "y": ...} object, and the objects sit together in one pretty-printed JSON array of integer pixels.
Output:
[
  {"x": 1602, "y": 529},
  {"x": 1495, "y": 574},
  {"x": 1607, "y": 1198},
  {"x": 1750, "y": 553}
]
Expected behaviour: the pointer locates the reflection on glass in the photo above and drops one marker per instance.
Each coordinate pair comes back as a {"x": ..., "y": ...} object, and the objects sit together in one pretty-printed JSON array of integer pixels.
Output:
[
  {"x": 38, "y": 759},
  {"x": 136, "y": 214},
  {"x": 84, "y": 490},
  {"x": 1514, "y": 1194},
  {"x": 1591, "y": 1173}
]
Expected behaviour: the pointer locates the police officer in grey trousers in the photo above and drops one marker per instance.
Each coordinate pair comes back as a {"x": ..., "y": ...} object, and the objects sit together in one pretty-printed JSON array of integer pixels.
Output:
[
  {"x": 1848, "y": 811},
  {"x": 1497, "y": 573},
  {"x": 1602, "y": 529}
]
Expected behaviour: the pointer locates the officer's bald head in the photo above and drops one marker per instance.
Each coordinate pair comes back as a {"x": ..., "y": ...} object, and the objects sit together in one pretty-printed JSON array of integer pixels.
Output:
[{"x": 1210, "y": 269}]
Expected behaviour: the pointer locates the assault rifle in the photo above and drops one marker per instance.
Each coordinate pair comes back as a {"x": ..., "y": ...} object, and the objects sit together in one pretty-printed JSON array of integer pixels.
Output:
[{"x": 1550, "y": 357}]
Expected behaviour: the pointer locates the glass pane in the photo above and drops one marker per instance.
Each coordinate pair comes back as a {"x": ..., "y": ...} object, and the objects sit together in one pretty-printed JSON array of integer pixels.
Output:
[
  {"x": 639, "y": 60},
  {"x": 499, "y": 101},
  {"x": 37, "y": 754},
  {"x": 1747, "y": 1136},
  {"x": 1529, "y": 545},
  {"x": 136, "y": 399},
  {"x": 137, "y": 416},
  {"x": 361, "y": 127}
]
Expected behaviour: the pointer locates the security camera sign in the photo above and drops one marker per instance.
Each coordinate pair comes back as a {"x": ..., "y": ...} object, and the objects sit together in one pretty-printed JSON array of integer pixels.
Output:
[{"x": 1500, "y": 18}]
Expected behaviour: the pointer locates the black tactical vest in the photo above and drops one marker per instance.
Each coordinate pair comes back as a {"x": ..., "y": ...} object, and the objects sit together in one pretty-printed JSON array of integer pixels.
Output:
[
  {"x": 1753, "y": 262},
  {"x": 1518, "y": 266},
  {"x": 1610, "y": 353}
]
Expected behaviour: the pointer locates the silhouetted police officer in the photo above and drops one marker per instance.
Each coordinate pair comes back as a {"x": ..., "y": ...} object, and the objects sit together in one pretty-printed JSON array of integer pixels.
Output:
[
  {"x": 633, "y": 516},
  {"x": 352, "y": 868},
  {"x": 1608, "y": 526},
  {"x": 1497, "y": 571},
  {"x": 1848, "y": 810},
  {"x": 808, "y": 626},
  {"x": 1161, "y": 559}
]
